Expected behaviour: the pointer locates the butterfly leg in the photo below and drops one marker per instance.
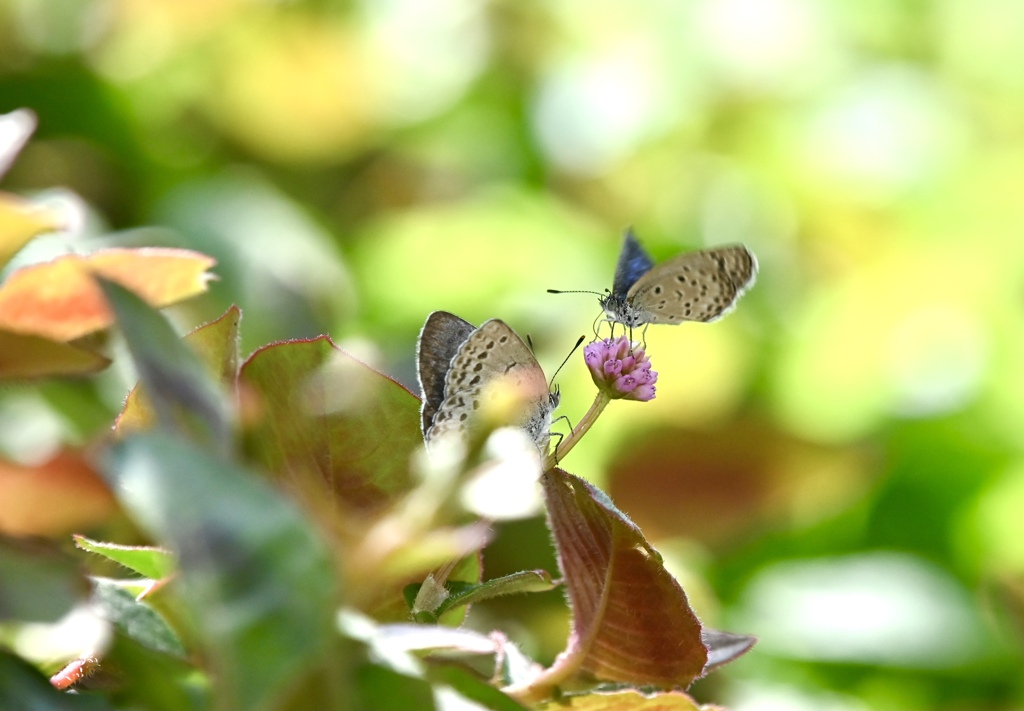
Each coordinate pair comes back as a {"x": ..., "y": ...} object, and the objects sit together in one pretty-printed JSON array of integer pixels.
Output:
[
  {"x": 560, "y": 435},
  {"x": 611, "y": 324},
  {"x": 557, "y": 444},
  {"x": 562, "y": 417}
]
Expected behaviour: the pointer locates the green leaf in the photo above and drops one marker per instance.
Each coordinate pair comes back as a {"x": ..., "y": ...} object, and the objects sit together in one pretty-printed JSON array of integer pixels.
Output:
[
  {"x": 37, "y": 582},
  {"x": 255, "y": 578},
  {"x": 216, "y": 345},
  {"x": 473, "y": 688},
  {"x": 177, "y": 384},
  {"x": 23, "y": 687},
  {"x": 383, "y": 689},
  {"x": 152, "y": 680},
  {"x": 525, "y": 581},
  {"x": 392, "y": 648},
  {"x": 135, "y": 619},
  {"x": 148, "y": 561},
  {"x": 424, "y": 600},
  {"x": 461, "y": 594}
]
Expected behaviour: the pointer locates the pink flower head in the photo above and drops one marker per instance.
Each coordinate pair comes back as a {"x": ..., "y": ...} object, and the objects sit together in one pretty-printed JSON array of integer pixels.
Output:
[{"x": 621, "y": 370}]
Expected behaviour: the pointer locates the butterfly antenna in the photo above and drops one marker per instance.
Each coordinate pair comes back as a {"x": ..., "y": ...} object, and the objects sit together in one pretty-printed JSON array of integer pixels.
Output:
[
  {"x": 578, "y": 342},
  {"x": 576, "y": 291},
  {"x": 563, "y": 417}
]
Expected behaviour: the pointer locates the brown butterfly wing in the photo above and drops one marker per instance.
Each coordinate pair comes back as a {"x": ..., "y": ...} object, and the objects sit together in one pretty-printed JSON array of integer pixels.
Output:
[{"x": 698, "y": 286}]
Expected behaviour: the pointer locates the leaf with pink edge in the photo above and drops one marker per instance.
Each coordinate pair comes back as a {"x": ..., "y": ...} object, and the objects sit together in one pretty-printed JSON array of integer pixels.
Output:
[
  {"x": 632, "y": 623},
  {"x": 323, "y": 418}
]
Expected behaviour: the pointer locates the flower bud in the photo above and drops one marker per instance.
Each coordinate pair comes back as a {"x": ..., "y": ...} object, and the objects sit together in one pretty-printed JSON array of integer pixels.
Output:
[{"x": 620, "y": 369}]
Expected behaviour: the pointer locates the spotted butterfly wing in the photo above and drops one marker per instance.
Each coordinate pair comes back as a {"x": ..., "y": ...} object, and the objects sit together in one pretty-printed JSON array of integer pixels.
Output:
[
  {"x": 488, "y": 359},
  {"x": 697, "y": 286}
]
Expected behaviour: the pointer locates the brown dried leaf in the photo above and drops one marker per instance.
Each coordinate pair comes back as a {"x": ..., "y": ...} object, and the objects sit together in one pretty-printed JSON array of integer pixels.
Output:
[{"x": 631, "y": 620}]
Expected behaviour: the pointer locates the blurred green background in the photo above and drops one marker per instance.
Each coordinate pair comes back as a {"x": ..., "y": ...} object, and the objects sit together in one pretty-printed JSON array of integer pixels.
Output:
[{"x": 837, "y": 467}]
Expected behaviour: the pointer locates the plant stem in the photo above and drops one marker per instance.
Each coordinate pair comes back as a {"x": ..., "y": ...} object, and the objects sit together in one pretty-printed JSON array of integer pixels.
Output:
[{"x": 600, "y": 402}]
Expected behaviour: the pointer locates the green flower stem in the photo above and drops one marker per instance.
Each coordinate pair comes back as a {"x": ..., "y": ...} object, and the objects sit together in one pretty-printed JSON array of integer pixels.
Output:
[{"x": 600, "y": 402}]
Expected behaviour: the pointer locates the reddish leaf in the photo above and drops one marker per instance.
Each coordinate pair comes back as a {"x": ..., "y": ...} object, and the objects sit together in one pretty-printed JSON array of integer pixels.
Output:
[
  {"x": 53, "y": 499},
  {"x": 631, "y": 620},
  {"x": 216, "y": 344},
  {"x": 60, "y": 300},
  {"x": 24, "y": 357},
  {"x": 326, "y": 419}
]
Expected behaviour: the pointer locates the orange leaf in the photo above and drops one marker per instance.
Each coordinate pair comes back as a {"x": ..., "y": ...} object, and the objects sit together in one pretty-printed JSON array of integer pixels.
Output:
[
  {"x": 53, "y": 499},
  {"x": 24, "y": 356},
  {"x": 20, "y": 221},
  {"x": 60, "y": 300}
]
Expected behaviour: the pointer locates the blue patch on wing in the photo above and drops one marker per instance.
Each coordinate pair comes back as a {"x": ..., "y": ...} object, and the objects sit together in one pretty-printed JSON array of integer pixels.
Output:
[{"x": 634, "y": 262}]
